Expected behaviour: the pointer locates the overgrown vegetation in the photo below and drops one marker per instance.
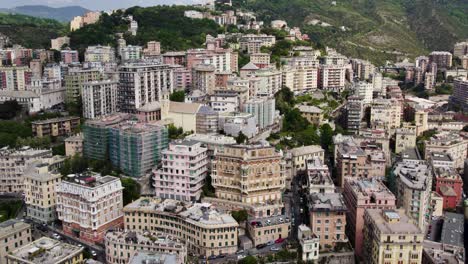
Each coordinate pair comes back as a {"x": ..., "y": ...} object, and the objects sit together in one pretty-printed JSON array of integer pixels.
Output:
[
  {"x": 177, "y": 96},
  {"x": 9, "y": 209}
]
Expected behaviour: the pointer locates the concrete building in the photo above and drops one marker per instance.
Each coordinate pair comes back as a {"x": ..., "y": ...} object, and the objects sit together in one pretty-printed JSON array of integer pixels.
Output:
[
  {"x": 263, "y": 109},
  {"x": 184, "y": 115},
  {"x": 460, "y": 49},
  {"x": 90, "y": 205},
  {"x": 69, "y": 56},
  {"x": 437, "y": 205},
  {"x": 13, "y": 234},
  {"x": 251, "y": 43},
  {"x": 443, "y": 59},
  {"x": 136, "y": 148},
  {"x": 41, "y": 179},
  {"x": 207, "y": 121},
  {"x": 99, "y": 54},
  {"x": 332, "y": 77},
  {"x": 310, "y": 243},
  {"x": 405, "y": 138},
  {"x": 134, "y": 92},
  {"x": 391, "y": 237},
  {"x": 260, "y": 60},
  {"x": 300, "y": 78},
  {"x": 365, "y": 91},
  {"x": 354, "y": 114},
  {"x": 121, "y": 246},
  {"x": 449, "y": 185},
  {"x": 55, "y": 127},
  {"x": 203, "y": 78},
  {"x": 99, "y": 98},
  {"x": 268, "y": 229},
  {"x": 270, "y": 82},
  {"x": 318, "y": 177},
  {"x": 76, "y": 77},
  {"x": 235, "y": 122},
  {"x": 328, "y": 218},
  {"x": 57, "y": 43},
  {"x": 15, "y": 78},
  {"x": 34, "y": 101},
  {"x": 211, "y": 142},
  {"x": 13, "y": 162},
  {"x": 312, "y": 113},
  {"x": 46, "y": 251},
  {"x": 450, "y": 143},
  {"x": 204, "y": 230},
  {"x": 224, "y": 102},
  {"x": 435, "y": 252},
  {"x": 74, "y": 145},
  {"x": 414, "y": 182},
  {"x": 148, "y": 257},
  {"x": 153, "y": 49},
  {"x": 183, "y": 172},
  {"x": 87, "y": 19},
  {"x": 129, "y": 53},
  {"x": 460, "y": 94},
  {"x": 301, "y": 155},
  {"x": 386, "y": 114},
  {"x": 360, "y": 195}
]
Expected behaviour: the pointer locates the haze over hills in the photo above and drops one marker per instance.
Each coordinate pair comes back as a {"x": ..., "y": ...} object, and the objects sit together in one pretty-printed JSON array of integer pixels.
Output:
[{"x": 63, "y": 14}]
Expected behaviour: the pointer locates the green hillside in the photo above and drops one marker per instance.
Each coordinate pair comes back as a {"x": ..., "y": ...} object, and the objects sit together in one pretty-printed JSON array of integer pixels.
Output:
[{"x": 30, "y": 32}]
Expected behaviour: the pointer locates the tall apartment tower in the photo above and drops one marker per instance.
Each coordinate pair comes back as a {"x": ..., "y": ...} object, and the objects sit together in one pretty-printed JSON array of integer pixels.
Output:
[{"x": 99, "y": 98}]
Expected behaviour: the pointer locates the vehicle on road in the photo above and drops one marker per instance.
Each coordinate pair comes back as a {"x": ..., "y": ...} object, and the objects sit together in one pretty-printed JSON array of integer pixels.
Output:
[
  {"x": 240, "y": 257},
  {"x": 275, "y": 249},
  {"x": 271, "y": 242},
  {"x": 279, "y": 240},
  {"x": 260, "y": 246},
  {"x": 93, "y": 253},
  {"x": 221, "y": 256},
  {"x": 212, "y": 257},
  {"x": 56, "y": 236},
  {"x": 240, "y": 251}
]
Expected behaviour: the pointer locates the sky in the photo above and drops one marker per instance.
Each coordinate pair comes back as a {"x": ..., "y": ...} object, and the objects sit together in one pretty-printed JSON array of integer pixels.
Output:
[{"x": 94, "y": 4}]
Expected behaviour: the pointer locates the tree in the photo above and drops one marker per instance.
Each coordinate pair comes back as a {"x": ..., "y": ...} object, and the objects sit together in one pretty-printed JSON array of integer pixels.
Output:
[
  {"x": 390, "y": 181},
  {"x": 208, "y": 189},
  {"x": 177, "y": 96},
  {"x": 241, "y": 138},
  {"x": 240, "y": 215},
  {"x": 248, "y": 260},
  {"x": 174, "y": 132},
  {"x": 131, "y": 190},
  {"x": 326, "y": 136},
  {"x": 293, "y": 121}
]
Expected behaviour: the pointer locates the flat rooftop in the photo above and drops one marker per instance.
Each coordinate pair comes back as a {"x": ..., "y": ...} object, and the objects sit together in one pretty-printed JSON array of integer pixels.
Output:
[
  {"x": 399, "y": 222},
  {"x": 55, "y": 120},
  {"x": 45, "y": 251},
  {"x": 12, "y": 226},
  {"x": 90, "y": 180},
  {"x": 146, "y": 257},
  {"x": 453, "y": 229}
]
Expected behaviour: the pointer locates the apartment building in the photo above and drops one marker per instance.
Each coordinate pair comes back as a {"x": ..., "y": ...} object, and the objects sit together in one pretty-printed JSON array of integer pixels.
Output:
[
  {"x": 300, "y": 78},
  {"x": 270, "y": 82},
  {"x": 204, "y": 230},
  {"x": 365, "y": 91},
  {"x": 90, "y": 205},
  {"x": 41, "y": 179},
  {"x": 99, "y": 54},
  {"x": 75, "y": 78},
  {"x": 448, "y": 184},
  {"x": 391, "y": 237},
  {"x": 385, "y": 114},
  {"x": 131, "y": 52},
  {"x": 301, "y": 155},
  {"x": 354, "y": 113},
  {"x": 443, "y": 59},
  {"x": 414, "y": 183},
  {"x": 252, "y": 43},
  {"x": 207, "y": 121},
  {"x": 134, "y": 92},
  {"x": 46, "y": 251},
  {"x": 360, "y": 195},
  {"x": 55, "y": 127},
  {"x": 69, "y": 56},
  {"x": 211, "y": 142},
  {"x": 362, "y": 69},
  {"x": 318, "y": 177},
  {"x": 122, "y": 245},
  {"x": 203, "y": 78},
  {"x": 15, "y": 78},
  {"x": 328, "y": 218},
  {"x": 87, "y": 19},
  {"x": 153, "y": 49},
  {"x": 405, "y": 138},
  {"x": 312, "y": 113},
  {"x": 137, "y": 147},
  {"x": 99, "y": 98},
  {"x": 57, "y": 43},
  {"x": 310, "y": 243},
  {"x": 74, "y": 145},
  {"x": 148, "y": 257},
  {"x": 332, "y": 77},
  {"x": 183, "y": 172},
  {"x": 261, "y": 60},
  {"x": 13, "y": 234},
  {"x": 263, "y": 109},
  {"x": 13, "y": 162},
  {"x": 234, "y": 123},
  {"x": 268, "y": 229},
  {"x": 224, "y": 60},
  {"x": 460, "y": 93},
  {"x": 450, "y": 143}
]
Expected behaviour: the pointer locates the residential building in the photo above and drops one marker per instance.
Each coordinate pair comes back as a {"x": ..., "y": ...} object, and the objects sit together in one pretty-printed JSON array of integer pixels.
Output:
[
  {"x": 262, "y": 230},
  {"x": 99, "y": 98},
  {"x": 261, "y": 60},
  {"x": 34, "y": 101},
  {"x": 129, "y": 53},
  {"x": 300, "y": 78},
  {"x": 13, "y": 234},
  {"x": 149, "y": 113},
  {"x": 234, "y": 123},
  {"x": 435, "y": 252},
  {"x": 224, "y": 102},
  {"x": 386, "y": 114},
  {"x": 443, "y": 59},
  {"x": 136, "y": 148},
  {"x": 76, "y": 77},
  {"x": 391, "y": 237},
  {"x": 301, "y": 155},
  {"x": 448, "y": 184},
  {"x": 74, "y": 145},
  {"x": 437, "y": 205},
  {"x": 360, "y": 195},
  {"x": 312, "y": 113},
  {"x": 252, "y": 43},
  {"x": 55, "y": 127},
  {"x": 362, "y": 69},
  {"x": 332, "y": 77},
  {"x": 150, "y": 256},
  {"x": 122, "y": 245},
  {"x": 439, "y": 159},
  {"x": 184, "y": 115},
  {"x": 47, "y": 251},
  {"x": 318, "y": 177},
  {"x": 328, "y": 218},
  {"x": 57, "y": 43},
  {"x": 89, "y": 205},
  {"x": 183, "y": 172},
  {"x": 460, "y": 94},
  {"x": 460, "y": 49},
  {"x": 99, "y": 54},
  {"x": 429, "y": 81},
  {"x": 263, "y": 109},
  {"x": 134, "y": 92},
  {"x": 153, "y": 49},
  {"x": 270, "y": 82},
  {"x": 69, "y": 56},
  {"x": 41, "y": 178},
  {"x": 365, "y": 91},
  {"x": 310, "y": 243},
  {"x": 207, "y": 121},
  {"x": 405, "y": 138},
  {"x": 354, "y": 113},
  {"x": 453, "y": 231},
  {"x": 450, "y": 143},
  {"x": 13, "y": 162},
  {"x": 414, "y": 182},
  {"x": 87, "y": 19},
  {"x": 204, "y": 230},
  {"x": 211, "y": 142},
  {"x": 15, "y": 78}
]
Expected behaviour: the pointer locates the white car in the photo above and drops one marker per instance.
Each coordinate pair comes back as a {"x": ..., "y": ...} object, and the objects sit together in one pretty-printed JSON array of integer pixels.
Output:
[{"x": 240, "y": 257}]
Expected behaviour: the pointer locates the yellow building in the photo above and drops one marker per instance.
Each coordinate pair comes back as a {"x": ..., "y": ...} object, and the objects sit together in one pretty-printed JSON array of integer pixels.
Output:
[
  {"x": 405, "y": 138},
  {"x": 312, "y": 113},
  {"x": 74, "y": 145},
  {"x": 301, "y": 155},
  {"x": 55, "y": 127},
  {"x": 391, "y": 237},
  {"x": 205, "y": 230},
  {"x": 13, "y": 234}
]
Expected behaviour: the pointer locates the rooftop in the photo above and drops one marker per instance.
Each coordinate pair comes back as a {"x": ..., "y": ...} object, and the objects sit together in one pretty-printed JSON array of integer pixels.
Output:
[
  {"x": 306, "y": 150},
  {"x": 309, "y": 109},
  {"x": 327, "y": 202},
  {"x": 184, "y": 108},
  {"x": 12, "y": 226},
  {"x": 90, "y": 181},
  {"x": 146, "y": 257},
  {"x": 55, "y": 120},
  {"x": 410, "y": 154},
  {"x": 139, "y": 237},
  {"x": 216, "y": 139},
  {"x": 413, "y": 175},
  {"x": 393, "y": 222},
  {"x": 370, "y": 188},
  {"x": 453, "y": 229},
  {"x": 440, "y": 156}
]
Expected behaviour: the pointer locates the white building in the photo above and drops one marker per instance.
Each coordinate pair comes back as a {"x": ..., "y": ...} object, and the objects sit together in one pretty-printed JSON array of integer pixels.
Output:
[
  {"x": 332, "y": 77},
  {"x": 99, "y": 54},
  {"x": 365, "y": 91},
  {"x": 263, "y": 109},
  {"x": 310, "y": 243},
  {"x": 235, "y": 122},
  {"x": 99, "y": 98},
  {"x": 131, "y": 53}
]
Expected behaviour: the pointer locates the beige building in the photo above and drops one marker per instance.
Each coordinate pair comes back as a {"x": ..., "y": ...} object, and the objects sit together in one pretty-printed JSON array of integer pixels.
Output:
[
  {"x": 46, "y": 251},
  {"x": 57, "y": 44},
  {"x": 183, "y": 115},
  {"x": 301, "y": 155},
  {"x": 13, "y": 234},
  {"x": 74, "y": 145},
  {"x": 204, "y": 230},
  {"x": 391, "y": 237},
  {"x": 405, "y": 138},
  {"x": 40, "y": 181},
  {"x": 313, "y": 114},
  {"x": 437, "y": 205},
  {"x": 260, "y": 59},
  {"x": 450, "y": 143},
  {"x": 122, "y": 245},
  {"x": 55, "y": 127},
  {"x": 87, "y": 19},
  {"x": 421, "y": 121},
  {"x": 310, "y": 243},
  {"x": 385, "y": 114},
  {"x": 268, "y": 229}
]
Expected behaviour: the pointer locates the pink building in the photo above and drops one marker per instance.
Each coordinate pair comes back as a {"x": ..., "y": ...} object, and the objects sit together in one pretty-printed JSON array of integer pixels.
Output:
[
  {"x": 175, "y": 58},
  {"x": 69, "y": 56},
  {"x": 183, "y": 172},
  {"x": 359, "y": 195},
  {"x": 182, "y": 78}
]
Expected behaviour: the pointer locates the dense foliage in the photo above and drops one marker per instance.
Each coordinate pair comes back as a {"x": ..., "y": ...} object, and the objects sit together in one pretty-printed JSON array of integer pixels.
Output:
[{"x": 177, "y": 96}]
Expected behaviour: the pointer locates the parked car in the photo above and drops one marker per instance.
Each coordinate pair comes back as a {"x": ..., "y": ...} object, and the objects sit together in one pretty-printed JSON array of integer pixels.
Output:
[
  {"x": 240, "y": 257},
  {"x": 279, "y": 240},
  {"x": 212, "y": 257},
  {"x": 221, "y": 256},
  {"x": 93, "y": 253},
  {"x": 240, "y": 251},
  {"x": 275, "y": 249},
  {"x": 260, "y": 246},
  {"x": 271, "y": 242}
]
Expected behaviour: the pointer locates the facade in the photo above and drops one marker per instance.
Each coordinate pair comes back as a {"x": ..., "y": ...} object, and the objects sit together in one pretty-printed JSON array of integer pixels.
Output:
[
  {"x": 13, "y": 234},
  {"x": 235, "y": 122},
  {"x": 12, "y": 165},
  {"x": 360, "y": 195},
  {"x": 450, "y": 143},
  {"x": 263, "y": 109},
  {"x": 328, "y": 218},
  {"x": 204, "y": 230},
  {"x": 203, "y": 78},
  {"x": 99, "y": 98},
  {"x": 55, "y": 127},
  {"x": 212, "y": 142},
  {"x": 460, "y": 93},
  {"x": 310, "y": 243},
  {"x": 354, "y": 113},
  {"x": 134, "y": 90},
  {"x": 136, "y": 147},
  {"x": 99, "y": 54},
  {"x": 332, "y": 77},
  {"x": 69, "y": 56},
  {"x": 15, "y": 78},
  {"x": 268, "y": 229},
  {"x": 460, "y": 49},
  {"x": 443, "y": 59},
  {"x": 365, "y": 91},
  {"x": 130, "y": 52},
  {"x": 183, "y": 172},
  {"x": 318, "y": 177},
  {"x": 75, "y": 78},
  {"x": 122, "y": 245},
  {"x": 313, "y": 114},
  {"x": 41, "y": 179},
  {"x": 153, "y": 48},
  {"x": 386, "y": 114},
  {"x": 90, "y": 205},
  {"x": 34, "y": 101},
  {"x": 207, "y": 121},
  {"x": 391, "y": 237},
  {"x": 46, "y": 251},
  {"x": 184, "y": 115},
  {"x": 405, "y": 138},
  {"x": 301, "y": 155},
  {"x": 414, "y": 182},
  {"x": 148, "y": 257},
  {"x": 87, "y": 19},
  {"x": 57, "y": 43},
  {"x": 449, "y": 185}
]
